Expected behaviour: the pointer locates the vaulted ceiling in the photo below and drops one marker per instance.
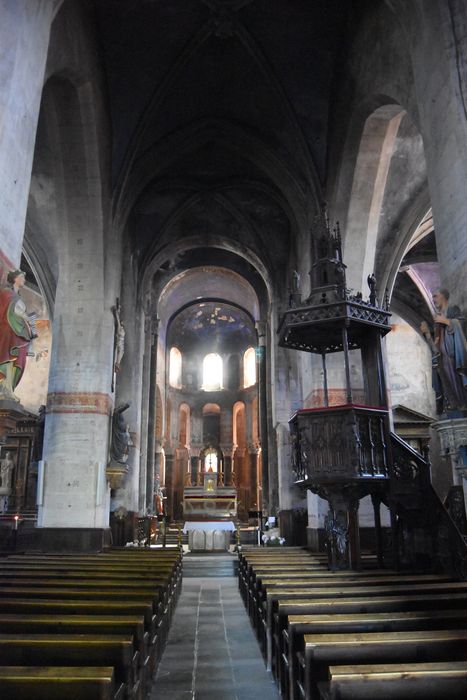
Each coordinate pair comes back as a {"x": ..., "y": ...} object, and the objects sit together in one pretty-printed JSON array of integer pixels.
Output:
[{"x": 220, "y": 114}]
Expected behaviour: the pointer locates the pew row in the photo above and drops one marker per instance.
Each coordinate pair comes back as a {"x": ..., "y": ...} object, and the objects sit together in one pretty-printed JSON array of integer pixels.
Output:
[{"x": 70, "y": 610}]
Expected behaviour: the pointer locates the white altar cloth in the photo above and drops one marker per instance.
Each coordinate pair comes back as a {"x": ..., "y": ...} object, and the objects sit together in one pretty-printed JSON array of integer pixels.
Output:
[
  {"x": 209, "y": 525},
  {"x": 209, "y": 535}
]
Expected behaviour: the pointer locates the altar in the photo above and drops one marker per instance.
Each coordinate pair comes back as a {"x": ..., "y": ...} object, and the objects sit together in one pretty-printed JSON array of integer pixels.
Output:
[
  {"x": 209, "y": 510},
  {"x": 209, "y": 535}
]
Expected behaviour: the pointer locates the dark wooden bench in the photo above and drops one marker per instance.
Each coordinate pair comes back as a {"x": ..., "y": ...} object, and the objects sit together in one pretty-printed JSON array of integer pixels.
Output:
[
  {"x": 325, "y": 650},
  {"x": 88, "y": 595},
  {"x": 430, "y": 681},
  {"x": 56, "y": 683},
  {"x": 75, "y": 650},
  {"x": 299, "y": 625},
  {"x": 307, "y": 589}
]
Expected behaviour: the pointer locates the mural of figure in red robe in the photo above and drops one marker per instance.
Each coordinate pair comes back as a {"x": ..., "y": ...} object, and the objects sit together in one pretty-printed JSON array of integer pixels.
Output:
[{"x": 16, "y": 333}]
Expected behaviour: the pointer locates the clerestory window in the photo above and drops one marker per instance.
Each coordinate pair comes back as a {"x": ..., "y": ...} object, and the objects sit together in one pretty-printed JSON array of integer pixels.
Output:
[
  {"x": 175, "y": 368},
  {"x": 212, "y": 372},
  {"x": 249, "y": 367}
]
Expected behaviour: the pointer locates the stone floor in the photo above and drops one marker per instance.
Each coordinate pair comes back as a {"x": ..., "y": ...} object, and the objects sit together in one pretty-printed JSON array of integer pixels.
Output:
[{"x": 212, "y": 653}]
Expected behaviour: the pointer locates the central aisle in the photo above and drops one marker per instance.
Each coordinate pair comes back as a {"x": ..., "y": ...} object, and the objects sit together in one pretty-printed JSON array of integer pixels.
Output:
[{"x": 212, "y": 653}]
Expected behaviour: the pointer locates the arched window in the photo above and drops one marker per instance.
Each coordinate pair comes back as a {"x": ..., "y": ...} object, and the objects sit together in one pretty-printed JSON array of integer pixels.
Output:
[
  {"x": 249, "y": 367},
  {"x": 175, "y": 368},
  {"x": 212, "y": 372},
  {"x": 211, "y": 461}
]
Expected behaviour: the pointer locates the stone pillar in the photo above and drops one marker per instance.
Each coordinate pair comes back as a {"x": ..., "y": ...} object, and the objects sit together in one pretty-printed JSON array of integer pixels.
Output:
[
  {"x": 151, "y": 450},
  {"x": 158, "y": 450},
  {"x": 438, "y": 52},
  {"x": 253, "y": 454},
  {"x": 169, "y": 479},
  {"x": 144, "y": 412},
  {"x": 228, "y": 450},
  {"x": 24, "y": 37},
  {"x": 269, "y": 482},
  {"x": 195, "y": 465},
  {"x": 125, "y": 500},
  {"x": 77, "y": 426},
  {"x": 453, "y": 439},
  {"x": 226, "y": 437}
]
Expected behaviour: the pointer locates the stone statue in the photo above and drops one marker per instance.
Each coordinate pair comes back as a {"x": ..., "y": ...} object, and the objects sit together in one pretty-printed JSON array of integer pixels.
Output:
[
  {"x": 158, "y": 500},
  {"x": 371, "y": 281},
  {"x": 121, "y": 439},
  {"x": 6, "y": 469},
  {"x": 17, "y": 330},
  {"x": 449, "y": 350},
  {"x": 296, "y": 281},
  {"x": 119, "y": 337}
]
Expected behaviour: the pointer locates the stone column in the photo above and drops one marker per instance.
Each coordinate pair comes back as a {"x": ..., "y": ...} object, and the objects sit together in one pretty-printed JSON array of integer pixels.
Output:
[
  {"x": 269, "y": 481},
  {"x": 24, "y": 38},
  {"x": 438, "y": 53},
  {"x": 169, "y": 479},
  {"x": 196, "y": 445},
  {"x": 125, "y": 500},
  {"x": 226, "y": 437},
  {"x": 228, "y": 450},
  {"x": 158, "y": 449},
  {"x": 151, "y": 450},
  {"x": 195, "y": 465},
  {"x": 253, "y": 454},
  {"x": 145, "y": 411},
  {"x": 77, "y": 426},
  {"x": 453, "y": 439}
]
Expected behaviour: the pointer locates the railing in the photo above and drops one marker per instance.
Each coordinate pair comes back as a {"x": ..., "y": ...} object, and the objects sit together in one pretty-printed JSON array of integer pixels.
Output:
[
  {"x": 422, "y": 523},
  {"x": 410, "y": 470}
]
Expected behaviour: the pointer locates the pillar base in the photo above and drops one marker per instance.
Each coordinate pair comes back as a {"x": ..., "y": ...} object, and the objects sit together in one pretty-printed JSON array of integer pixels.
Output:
[{"x": 69, "y": 539}]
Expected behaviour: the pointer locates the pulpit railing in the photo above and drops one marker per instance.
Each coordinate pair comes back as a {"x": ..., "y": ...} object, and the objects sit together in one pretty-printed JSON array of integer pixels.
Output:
[
  {"x": 409, "y": 468},
  {"x": 418, "y": 509},
  {"x": 342, "y": 442}
]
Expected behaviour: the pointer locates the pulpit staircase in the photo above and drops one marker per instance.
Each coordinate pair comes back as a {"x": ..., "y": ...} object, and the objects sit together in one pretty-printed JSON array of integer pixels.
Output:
[{"x": 424, "y": 534}]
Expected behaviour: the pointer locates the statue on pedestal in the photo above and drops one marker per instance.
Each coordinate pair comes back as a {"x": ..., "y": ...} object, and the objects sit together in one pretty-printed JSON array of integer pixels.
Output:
[
  {"x": 17, "y": 330},
  {"x": 449, "y": 349},
  {"x": 121, "y": 439},
  {"x": 6, "y": 469}
]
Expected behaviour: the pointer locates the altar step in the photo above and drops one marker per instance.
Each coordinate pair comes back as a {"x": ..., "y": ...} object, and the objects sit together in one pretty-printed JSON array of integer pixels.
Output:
[{"x": 215, "y": 564}]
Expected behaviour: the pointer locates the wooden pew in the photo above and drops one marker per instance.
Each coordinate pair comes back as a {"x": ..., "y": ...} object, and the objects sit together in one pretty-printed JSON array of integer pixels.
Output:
[
  {"x": 43, "y": 584},
  {"x": 56, "y": 683},
  {"x": 300, "y": 625},
  {"x": 163, "y": 583},
  {"x": 75, "y": 650},
  {"x": 409, "y": 681},
  {"x": 325, "y": 650},
  {"x": 305, "y": 588},
  {"x": 315, "y": 581}
]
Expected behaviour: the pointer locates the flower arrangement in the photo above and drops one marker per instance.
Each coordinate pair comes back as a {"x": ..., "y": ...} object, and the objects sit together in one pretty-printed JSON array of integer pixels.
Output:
[{"x": 272, "y": 538}]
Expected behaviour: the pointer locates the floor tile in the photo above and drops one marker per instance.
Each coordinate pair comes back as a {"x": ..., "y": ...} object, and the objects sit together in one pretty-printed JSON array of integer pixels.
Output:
[{"x": 212, "y": 652}]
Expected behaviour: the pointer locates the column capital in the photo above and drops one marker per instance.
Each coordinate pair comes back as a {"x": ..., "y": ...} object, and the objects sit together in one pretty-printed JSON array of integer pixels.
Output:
[
  {"x": 228, "y": 448},
  {"x": 195, "y": 448},
  {"x": 452, "y": 434},
  {"x": 254, "y": 448}
]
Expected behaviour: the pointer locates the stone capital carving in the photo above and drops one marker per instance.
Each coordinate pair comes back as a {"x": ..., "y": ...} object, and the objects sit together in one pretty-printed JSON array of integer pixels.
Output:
[
  {"x": 228, "y": 449},
  {"x": 452, "y": 434},
  {"x": 254, "y": 448},
  {"x": 195, "y": 448}
]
